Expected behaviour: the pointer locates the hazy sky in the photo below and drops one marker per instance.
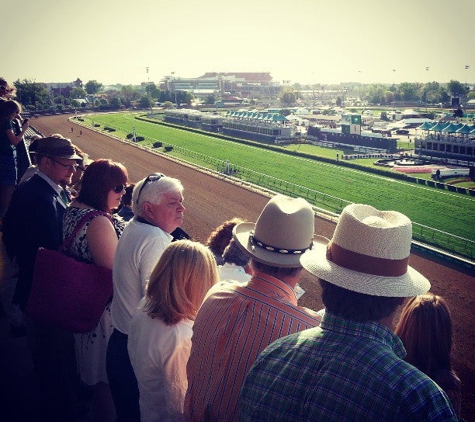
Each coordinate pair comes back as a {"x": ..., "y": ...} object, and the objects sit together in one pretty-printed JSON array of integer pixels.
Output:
[{"x": 307, "y": 41}]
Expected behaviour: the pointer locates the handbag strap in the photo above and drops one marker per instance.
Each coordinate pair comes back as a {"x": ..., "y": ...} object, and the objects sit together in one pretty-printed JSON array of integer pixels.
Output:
[{"x": 90, "y": 215}]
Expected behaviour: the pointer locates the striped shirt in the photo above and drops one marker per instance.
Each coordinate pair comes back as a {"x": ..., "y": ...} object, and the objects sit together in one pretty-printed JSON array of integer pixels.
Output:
[
  {"x": 235, "y": 323},
  {"x": 340, "y": 371}
]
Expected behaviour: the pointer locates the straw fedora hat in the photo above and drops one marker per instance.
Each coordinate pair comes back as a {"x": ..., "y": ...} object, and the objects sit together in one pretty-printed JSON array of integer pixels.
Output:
[
  {"x": 282, "y": 233},
  {"x": 369, "y": 254}
]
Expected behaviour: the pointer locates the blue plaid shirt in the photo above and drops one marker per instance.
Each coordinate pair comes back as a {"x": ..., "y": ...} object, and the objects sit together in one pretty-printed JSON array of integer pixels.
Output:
[{"x": 340, "y": 371}]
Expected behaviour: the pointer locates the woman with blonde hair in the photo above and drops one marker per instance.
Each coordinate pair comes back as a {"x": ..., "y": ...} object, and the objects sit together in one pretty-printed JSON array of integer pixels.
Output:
[
  {"x": 425, "y": 328},
  {"x": 159, "y": 342}
]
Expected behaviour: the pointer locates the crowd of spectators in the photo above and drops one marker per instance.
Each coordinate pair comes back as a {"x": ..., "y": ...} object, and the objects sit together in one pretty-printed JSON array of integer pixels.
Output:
[{"x": 214, "y": 331}]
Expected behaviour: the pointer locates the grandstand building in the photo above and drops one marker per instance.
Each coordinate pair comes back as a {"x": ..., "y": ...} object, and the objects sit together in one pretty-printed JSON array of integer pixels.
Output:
[
  {"x": 256, "y": 126},
  {"x": 450, "y": 148},
  {"x": 350, "y": 135},
  {"x": 242, "y": 84}
]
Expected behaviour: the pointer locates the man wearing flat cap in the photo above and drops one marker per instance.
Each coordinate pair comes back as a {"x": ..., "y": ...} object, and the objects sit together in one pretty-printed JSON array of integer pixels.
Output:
[
  {"x": 351, "y": 367},
  {"x": 237, "y": 321},
  {"x": 35, "y": 219}
]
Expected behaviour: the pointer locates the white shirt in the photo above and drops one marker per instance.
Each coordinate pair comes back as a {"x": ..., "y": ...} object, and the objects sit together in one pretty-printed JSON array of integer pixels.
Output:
[
  {"x": 235, "y": 272},
  {"x": 159, "y": 354},
  {"x": 138, "y": 251}
]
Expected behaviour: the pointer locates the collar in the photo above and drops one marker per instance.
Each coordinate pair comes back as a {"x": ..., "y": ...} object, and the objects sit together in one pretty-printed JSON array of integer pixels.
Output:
[
  {"x": 372, "y": 330},
  {"x": 273, "y": 286},
  {"x": 57, "y": 188},
  {"x": 144, "y": 221}
]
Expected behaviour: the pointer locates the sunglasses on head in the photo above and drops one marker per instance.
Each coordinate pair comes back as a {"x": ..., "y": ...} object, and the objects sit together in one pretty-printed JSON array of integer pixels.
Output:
[
  {"x": 119, "y": 188},
  {"x": 150, "y": 178}
]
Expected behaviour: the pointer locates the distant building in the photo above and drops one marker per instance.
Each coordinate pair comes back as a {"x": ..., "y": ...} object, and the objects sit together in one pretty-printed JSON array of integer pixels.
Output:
[
  {"x": 63, "y": 88},
  {"x": 225, "y": 84}
]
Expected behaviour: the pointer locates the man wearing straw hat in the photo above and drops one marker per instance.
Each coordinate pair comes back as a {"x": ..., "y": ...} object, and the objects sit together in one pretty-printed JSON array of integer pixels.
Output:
[
  {"x": 350, "y": 368},
  {"x": 237, "y": 321}
]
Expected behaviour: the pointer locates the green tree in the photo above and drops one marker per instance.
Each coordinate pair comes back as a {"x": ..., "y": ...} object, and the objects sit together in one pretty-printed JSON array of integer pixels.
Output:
[
  {"x": 456, "y": 88},
  {"x": 145, "y": 102},
  {"x": 408, "y": 91},
  {"x": 128, "y": 94},
  {"x": 288, "y": 97},
  {"x": 93, "y": 87},
  {"x": 30, "y": 93},
  {"x": 115, "y": 103},
  {"x": 77, "y": 93},
  {"x": 210, "y": 99},
  {"x": 152, "y": 91}
]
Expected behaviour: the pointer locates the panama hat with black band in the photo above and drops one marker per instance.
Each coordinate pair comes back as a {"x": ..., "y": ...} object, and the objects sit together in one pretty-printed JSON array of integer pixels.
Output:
[
  {"x": 283, "y": 232},
  {"x": 369, "y": 254}
]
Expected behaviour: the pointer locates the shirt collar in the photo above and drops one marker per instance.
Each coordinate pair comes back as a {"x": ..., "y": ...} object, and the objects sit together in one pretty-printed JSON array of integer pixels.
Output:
[
  {"x": 55, "y": 186},
  {"x": 373, "y": 330},
  {"x": 273, "y": 287}
]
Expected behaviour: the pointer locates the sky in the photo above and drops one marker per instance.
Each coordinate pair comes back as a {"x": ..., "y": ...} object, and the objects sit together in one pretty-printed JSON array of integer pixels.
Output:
[{"x": 305, "y": 41}]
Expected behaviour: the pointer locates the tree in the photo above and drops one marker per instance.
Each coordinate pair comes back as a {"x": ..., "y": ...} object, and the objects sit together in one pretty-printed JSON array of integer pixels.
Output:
[
  {"x": 31, "y": 93},
  {"x": 115, "y": 103},
  {"x": 210, "y": 99},
  {"x": 408, "y": 91},
  {"x": 288, "y": 98},
  {"x": 456, "y": 88},
  {"x": 152, "y": 91},
  {"x": 145, "y": 102},
  {"x": 128, "y": 94},
  {"x": 77, "y": 93},
  {"x": 93, "y": 87}
]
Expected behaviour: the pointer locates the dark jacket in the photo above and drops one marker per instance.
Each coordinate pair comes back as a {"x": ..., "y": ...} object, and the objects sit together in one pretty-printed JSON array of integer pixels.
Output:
[{"x": 34, "y": 219}]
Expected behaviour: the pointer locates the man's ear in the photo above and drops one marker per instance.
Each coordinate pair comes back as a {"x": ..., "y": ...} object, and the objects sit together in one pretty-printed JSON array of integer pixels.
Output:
[{"x": 147, "y": 208}]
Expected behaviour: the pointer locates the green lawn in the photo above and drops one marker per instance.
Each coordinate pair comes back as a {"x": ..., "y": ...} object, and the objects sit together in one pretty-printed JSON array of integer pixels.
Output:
[{"x": 443, "y": 210}]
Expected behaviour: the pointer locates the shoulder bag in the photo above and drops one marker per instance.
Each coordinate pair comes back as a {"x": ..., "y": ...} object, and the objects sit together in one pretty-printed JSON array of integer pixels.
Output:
[{"x": 66, "y": 292}]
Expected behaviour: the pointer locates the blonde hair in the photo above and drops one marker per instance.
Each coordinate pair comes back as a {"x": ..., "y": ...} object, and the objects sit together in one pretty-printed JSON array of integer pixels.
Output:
[{"x": 179, "y": 282}]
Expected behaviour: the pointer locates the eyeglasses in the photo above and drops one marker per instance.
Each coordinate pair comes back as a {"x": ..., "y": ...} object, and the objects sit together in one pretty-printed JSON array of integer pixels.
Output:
[
  {"x": 72, "y": 167},
  {"x": 150, "y": 178},
  {"x": 119, "y": 188}
]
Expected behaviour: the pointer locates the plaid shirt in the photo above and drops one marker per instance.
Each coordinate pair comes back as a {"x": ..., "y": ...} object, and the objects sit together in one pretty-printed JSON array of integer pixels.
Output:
[{"x": 340, "y": 371}]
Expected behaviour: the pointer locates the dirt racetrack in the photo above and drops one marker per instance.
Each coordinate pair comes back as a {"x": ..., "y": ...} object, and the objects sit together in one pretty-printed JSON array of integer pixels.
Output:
[{"x": 209, "y": 200}]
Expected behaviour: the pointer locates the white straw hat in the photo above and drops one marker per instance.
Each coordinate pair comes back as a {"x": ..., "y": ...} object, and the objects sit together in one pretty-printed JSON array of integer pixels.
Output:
[
  {"x": 282, "y": 233},
  {"x": 369, "y": 254}
]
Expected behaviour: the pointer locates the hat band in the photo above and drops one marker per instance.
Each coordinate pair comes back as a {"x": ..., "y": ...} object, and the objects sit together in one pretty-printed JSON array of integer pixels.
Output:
[
  {"x": 277, "y": 250},
  {"x": 365, "y": 263}
]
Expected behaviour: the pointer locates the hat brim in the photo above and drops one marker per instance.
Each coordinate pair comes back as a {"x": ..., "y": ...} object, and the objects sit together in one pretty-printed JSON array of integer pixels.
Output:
[
  {"x": 67, "y": 157},
  {"x": 412, "y": 283},
  {"x": 241, "y": 234}
]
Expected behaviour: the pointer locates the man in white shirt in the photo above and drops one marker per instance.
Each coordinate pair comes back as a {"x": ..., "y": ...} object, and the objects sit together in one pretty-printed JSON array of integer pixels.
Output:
[{"x": 157, "y": 202}]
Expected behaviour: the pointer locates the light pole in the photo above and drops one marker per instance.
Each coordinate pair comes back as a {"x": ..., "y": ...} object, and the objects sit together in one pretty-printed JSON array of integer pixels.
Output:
[
  {"x": 466, "y": 83},
  {"x": 427, "y": 84}
]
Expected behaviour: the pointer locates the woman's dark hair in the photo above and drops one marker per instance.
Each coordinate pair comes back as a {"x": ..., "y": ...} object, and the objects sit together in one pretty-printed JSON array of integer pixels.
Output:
[
  {"x": 7, "y": 108},
  {"x": 221, "y": 235},
  {"x": 99, "y": 178},
  {"x": 233, "y": 255},
  {"x": 358, "y": 307}
]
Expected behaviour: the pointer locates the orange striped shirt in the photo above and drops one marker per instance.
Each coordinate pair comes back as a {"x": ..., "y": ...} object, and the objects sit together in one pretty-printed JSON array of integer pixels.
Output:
[{"x": 234, "y": 324}]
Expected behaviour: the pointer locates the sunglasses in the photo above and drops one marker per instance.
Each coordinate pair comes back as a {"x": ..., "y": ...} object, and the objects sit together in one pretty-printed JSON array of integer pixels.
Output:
[
  {"x": 119, "y": 188},
  {"x": 150, "y": 178}
]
